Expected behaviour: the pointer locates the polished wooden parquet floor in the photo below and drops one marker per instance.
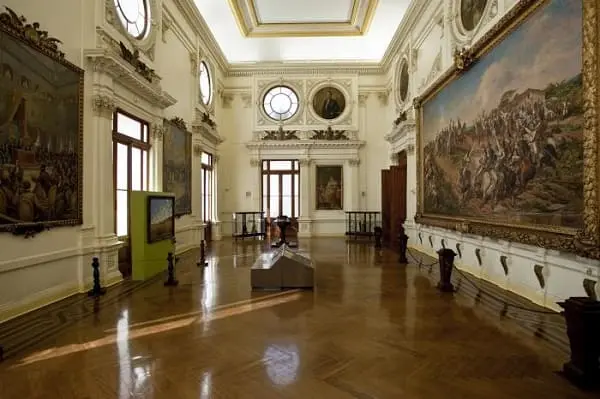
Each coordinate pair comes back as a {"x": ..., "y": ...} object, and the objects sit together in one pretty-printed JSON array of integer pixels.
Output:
[{"x": 371, "y": 329}]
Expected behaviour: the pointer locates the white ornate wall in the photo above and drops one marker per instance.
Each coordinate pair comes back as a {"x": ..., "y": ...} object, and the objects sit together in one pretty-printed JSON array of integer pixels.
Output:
[
  {"x": 363, "y": 156},
  {"x": 57, "y": 263},
  {"x": 427, "y": 48}
]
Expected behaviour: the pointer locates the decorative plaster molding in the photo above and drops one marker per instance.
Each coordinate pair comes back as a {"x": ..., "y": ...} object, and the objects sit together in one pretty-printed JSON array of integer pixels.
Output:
[
  {"x": 197, "y": 150},
  {"x": 383, "y": 97},
  {"x": 107, "y": 61},
  {"x": 305, "y": 145},
  {"x": 103, "y": 105},
  {"x": 246, "y": 99},
  {"x": 226, "y": 99},
  {"x": 354, "y": 162},
  {"x": 255, "y": 162},
  {"x": 305, "y": 162},
  {"x": 206, "y": 130},
  {"x": 362, "y": 99},
  {"x": 194, "y": 63},
  {"x": 410, "y": 148},
  {"x": 147, "y": 44},
  {"x": 436, "y": 69},
  {"x": 401, "y": 130},
  {"x": 295, "y": 135},
  {"x": 157, "y": 131},
  {"x": 166, "y": 27}
]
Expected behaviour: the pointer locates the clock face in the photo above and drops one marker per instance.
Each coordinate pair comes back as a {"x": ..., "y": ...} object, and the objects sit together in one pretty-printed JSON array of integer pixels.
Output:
[
  {"x": 471, "y": 13},
  {"x": 135, "y": 16}
]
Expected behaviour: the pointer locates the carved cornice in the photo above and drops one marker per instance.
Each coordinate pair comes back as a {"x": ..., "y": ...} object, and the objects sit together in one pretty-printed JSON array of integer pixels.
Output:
[
  {"x": 205, "y": 127},
  {"x": 107, "y": 61},
  {"x": 401, "y": 130},
  {"x": 305, "y": 145}
]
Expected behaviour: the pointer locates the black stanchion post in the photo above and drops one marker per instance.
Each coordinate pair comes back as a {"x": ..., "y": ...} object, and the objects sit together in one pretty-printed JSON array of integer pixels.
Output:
[
  {"x": 171, "y": 282},
  {"x": 202, "y": 261},
  {"x": 446, "y": 259},
  {"x": 377, "y": 232},
  {"x": 97, "y": 290},
  {"x": 402, "y": 246},
  {"x": 582, "y": 315}
]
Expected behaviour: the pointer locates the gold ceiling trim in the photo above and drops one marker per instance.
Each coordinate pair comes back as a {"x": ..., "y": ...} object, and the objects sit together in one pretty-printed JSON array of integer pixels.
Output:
[{"x": 247, "y": 20}]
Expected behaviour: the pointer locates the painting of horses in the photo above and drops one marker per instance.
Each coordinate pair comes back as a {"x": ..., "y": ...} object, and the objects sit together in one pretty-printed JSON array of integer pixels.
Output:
[{"x": 503, "y": 141}]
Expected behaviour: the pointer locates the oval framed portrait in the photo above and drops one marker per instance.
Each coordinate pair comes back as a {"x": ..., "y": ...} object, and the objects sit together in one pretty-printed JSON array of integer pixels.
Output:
[
  {"x": 329, "y": 102},
  {"x": 403, "y": 81},
  {"x": 471, "y": 13}
]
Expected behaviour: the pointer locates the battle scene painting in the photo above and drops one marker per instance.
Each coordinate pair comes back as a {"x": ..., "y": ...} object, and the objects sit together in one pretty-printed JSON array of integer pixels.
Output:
[
  {"x": 503, "y": 142},
  {"x": 40, "y": 137},
  {"x": 177, "y": 166}
]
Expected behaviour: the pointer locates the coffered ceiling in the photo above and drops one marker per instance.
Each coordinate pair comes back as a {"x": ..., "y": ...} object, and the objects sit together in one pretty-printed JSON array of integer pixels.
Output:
[{"x": 303, "y": 30}]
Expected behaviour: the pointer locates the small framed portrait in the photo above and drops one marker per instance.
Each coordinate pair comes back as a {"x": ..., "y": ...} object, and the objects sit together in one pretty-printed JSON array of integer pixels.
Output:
[{"x": 329, "y": 102}]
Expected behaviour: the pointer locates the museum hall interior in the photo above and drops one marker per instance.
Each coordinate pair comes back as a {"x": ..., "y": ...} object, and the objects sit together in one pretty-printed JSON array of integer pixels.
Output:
[{"x": 299, "y": 199}]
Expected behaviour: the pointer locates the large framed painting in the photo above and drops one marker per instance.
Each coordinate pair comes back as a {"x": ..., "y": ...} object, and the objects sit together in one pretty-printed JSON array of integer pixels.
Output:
[
  {"x": 177, "y": 165},
  {"x": 329, "y": 187},
  {"x": 507, "y": 139},
  {"x": 41, "y": 137}
]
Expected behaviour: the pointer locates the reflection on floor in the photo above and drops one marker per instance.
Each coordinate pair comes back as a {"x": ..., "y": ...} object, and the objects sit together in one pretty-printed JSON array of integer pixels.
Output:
[{"x": 371, "y": 329}]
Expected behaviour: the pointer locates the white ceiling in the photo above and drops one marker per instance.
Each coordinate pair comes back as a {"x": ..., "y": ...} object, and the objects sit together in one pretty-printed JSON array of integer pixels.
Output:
[
  {"x": 278, "y": 11},
  {"x": 239, "y": 49}
]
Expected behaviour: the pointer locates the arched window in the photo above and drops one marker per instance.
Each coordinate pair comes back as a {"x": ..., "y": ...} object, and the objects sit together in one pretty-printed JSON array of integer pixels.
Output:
[
  {"x": 135, "y": 16},
  {"x": 205, "y": 84},
  {"x": 280, "y": 103}
]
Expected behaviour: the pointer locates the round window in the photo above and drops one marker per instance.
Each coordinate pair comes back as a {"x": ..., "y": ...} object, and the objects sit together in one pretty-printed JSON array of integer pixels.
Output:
[
  {"x": 135, "y": 16},
  {"x": 280, "y": 103},
  {"x": 205, "y": 84}
]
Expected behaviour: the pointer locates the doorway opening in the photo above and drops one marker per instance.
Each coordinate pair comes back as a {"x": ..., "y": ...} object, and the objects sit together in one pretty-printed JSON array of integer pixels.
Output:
[
  {"x": 130, "y": 173},
  {"x": 280, "y": 190}
]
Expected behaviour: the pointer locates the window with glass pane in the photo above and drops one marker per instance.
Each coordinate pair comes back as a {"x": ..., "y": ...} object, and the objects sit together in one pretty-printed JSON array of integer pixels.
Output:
[
  {"x": 280, "y": 188},
  {"x": 130, "y": 165},
  {"x": 207, "y": 186}
]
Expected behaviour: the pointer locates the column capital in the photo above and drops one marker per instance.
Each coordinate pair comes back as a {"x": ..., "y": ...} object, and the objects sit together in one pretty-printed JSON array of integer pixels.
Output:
[
  {"x": 103, "y": 105},
  {"x": 354, "y": 162},
  {"x": 254, "y": 162},
  {"x": 305, "y": 162}
]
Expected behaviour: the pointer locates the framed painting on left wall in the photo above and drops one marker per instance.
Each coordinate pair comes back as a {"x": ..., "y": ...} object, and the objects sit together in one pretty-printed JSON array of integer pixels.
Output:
[{"x": 41, "y": 136}]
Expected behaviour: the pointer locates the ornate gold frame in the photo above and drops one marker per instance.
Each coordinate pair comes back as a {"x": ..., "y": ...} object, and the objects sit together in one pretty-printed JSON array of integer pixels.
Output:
[
  {"x": 179, "y": 124},
  {"x": 584, "y": 242},
  {"x": 31, "y": 35}
]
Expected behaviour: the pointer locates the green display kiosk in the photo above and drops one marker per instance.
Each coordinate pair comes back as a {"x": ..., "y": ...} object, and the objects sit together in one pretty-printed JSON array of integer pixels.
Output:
[{"x": 152, "y": 232}]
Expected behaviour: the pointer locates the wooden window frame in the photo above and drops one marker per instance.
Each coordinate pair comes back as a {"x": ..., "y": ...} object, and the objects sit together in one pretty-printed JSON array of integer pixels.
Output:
[
  {"x": 130, "y": 142},
  {"x": 207, "y": 169},
  {"x": 294, "y": 171}
]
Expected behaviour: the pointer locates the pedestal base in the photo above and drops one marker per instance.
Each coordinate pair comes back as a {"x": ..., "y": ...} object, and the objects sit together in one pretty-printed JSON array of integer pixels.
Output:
[
  {"x": 580, "y": 379},
  {"x": 449, "y": 287}
]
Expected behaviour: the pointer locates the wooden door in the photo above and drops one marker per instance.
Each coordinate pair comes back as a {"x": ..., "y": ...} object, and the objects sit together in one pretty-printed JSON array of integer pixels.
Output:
[{"x": 393, "y": 200}]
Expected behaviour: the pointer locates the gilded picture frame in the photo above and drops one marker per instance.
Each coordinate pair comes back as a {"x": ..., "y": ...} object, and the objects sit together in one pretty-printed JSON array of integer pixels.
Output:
[
  {"x": 41, "y": 131},
  {"x": 329, "y": 187},
  {"x": 177, "y": 164},
  {"x": 584, "y": 239}
]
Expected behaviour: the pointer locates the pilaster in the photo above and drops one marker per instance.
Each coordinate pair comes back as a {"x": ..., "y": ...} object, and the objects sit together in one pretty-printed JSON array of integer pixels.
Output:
[
  {"x": 305, "y": 217},
  {"x": 353, "y": 201}
]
